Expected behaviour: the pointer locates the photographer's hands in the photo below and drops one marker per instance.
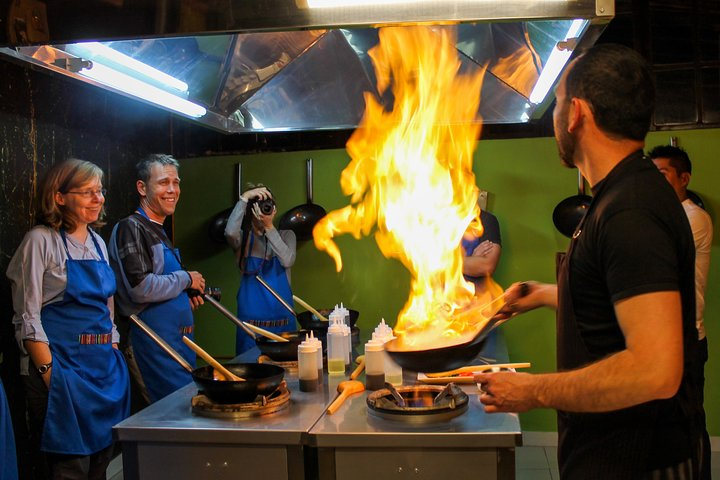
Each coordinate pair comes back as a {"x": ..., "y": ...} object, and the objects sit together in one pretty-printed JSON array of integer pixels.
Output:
[{"x": 259, "y": 193}]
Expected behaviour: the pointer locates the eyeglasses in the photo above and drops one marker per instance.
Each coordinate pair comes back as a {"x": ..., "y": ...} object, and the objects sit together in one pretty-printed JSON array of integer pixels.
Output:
[{"x": 90, "y": 193}]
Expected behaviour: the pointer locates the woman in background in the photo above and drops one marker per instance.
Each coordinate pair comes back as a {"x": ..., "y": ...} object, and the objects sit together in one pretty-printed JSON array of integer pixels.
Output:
[
  {"x": 262, "y": 251},
  {"x": 62, "y": 286}
]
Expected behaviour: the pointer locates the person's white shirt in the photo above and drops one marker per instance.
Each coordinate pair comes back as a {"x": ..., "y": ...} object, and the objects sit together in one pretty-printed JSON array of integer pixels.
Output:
[{"x": 702, "y": 230}]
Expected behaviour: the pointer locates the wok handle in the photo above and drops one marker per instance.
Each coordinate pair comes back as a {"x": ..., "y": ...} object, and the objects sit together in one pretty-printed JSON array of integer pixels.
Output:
[
  {"x": 309, "y": 308},
  {"x": 161, "y": 343},
  {"x": 210, "y": 360},
  {"x": 221, "y": 308},
  {"x": 309, "y": 176},
  {"x": 276, "y": 295}
]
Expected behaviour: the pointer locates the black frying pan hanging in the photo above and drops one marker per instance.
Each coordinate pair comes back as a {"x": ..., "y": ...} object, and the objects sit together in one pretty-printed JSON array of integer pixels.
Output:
[
  {"x": 569, "y": 212},
  {"x": 216, "y": 229},
  {"x": 302, "y": 219}
]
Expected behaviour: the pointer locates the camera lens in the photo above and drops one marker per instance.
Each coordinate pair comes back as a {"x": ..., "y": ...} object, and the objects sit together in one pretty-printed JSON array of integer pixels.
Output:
[{"x": 266, "y": 206}]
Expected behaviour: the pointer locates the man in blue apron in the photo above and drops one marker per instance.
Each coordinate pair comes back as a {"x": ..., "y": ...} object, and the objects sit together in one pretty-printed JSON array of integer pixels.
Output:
[
  {"x": 627, "y": 404},
  {"x": 153, "y": 284},
  {"x": 262, "y": 251}
]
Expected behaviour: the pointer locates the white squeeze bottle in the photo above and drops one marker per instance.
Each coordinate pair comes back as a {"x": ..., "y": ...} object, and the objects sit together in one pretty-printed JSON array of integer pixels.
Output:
[
  {"x": 307, "y": 368},
  {"x": 374, "y": 365},
  {"x": 393, "y": 371},
  {"x": 317, "y": 343},
  {"x": 336, "y": 349},
  {"x": 346, "y": 322}
]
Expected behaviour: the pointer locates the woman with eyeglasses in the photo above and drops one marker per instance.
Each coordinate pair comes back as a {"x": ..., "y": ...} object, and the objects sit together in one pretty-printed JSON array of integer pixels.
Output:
[{"x": 76, "y": 380}]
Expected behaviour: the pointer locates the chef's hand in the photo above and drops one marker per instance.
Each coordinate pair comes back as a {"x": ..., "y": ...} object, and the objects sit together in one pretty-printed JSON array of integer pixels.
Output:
[
  {"x": 507, "y": 391},
  {"x": 266, "y": 220},
  {"x": 522, "y": 297},
  {"x": 196, "y": 301},
  {"x": 259, "y": 193}
]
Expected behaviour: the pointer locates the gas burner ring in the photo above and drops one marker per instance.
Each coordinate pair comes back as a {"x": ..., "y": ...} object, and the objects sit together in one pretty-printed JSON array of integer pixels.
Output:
[{"x": 424, "y": 403}]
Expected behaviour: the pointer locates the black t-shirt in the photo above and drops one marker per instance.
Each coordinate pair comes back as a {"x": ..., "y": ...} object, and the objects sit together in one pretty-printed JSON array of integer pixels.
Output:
[{"x": 635, "y": 240}]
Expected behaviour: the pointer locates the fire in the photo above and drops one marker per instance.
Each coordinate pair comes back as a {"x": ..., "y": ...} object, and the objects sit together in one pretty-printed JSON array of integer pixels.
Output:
[{"x": 411, "y": 182}]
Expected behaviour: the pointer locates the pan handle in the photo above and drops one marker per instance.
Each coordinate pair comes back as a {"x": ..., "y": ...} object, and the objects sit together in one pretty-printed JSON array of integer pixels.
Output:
[
  {"x": 161, "y": 343},
  {"x": 276, "y": 295},
  {"x": 221, "y": 308}
]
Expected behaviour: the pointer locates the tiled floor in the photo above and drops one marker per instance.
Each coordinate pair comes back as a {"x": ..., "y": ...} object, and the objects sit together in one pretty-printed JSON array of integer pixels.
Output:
[{"x": 540, "y": 463}]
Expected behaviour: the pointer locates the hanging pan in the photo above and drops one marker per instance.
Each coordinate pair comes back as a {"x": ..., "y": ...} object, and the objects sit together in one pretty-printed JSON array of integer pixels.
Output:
[
  {"x": 302, "y": 219},
  {"x": 569, "y": 212}
]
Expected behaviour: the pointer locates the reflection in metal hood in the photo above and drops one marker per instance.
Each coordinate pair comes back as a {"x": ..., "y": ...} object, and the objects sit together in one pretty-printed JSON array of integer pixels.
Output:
[{"x": 281, "y": 65}]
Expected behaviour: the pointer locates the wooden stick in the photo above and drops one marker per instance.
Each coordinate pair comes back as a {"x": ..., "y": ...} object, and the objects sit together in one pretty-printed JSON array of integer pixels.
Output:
[
  {"x": 309, "y": 308},
  {"x": 265, "y": 333},
  {"x": 477, "y": 368},
  {"x": 358, "y": 370},
  {"x": 215, "y": 364}
]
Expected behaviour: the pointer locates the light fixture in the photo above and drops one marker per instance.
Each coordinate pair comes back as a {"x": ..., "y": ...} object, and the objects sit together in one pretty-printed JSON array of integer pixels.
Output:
[
  {"x": 150, "y": 93},
  {"x": 556, "y": 62},
  {"x": 99, "y": 53}
]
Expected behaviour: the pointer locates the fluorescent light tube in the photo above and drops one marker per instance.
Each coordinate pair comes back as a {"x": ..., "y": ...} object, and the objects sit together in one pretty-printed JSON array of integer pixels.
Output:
[
  {"x": 554, "y": 65},
  {"x": 137, "y": 88},
  {"x": 99, "y": 53}
]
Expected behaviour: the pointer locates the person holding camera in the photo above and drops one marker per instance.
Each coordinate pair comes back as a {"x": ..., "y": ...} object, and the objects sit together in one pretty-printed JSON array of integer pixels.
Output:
[
  {"x": 261, "y": 251},
  {"x": 153, "y": 284}
]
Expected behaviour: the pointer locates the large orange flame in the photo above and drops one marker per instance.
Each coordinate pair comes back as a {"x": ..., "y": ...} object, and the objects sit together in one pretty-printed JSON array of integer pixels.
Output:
[{"x": 411, "y": 181}]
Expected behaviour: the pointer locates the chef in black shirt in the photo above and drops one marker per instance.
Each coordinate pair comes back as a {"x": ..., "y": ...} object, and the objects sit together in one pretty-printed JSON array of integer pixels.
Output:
[{"x": 625, "y": 299}]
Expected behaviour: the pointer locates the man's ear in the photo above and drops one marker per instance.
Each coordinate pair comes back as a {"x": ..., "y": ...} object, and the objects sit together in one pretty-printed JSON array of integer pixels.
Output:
[
  {"x": 140, "y": 185},
  {"x": 576, "y": 112},
  {"x": 684, "y": 179}
]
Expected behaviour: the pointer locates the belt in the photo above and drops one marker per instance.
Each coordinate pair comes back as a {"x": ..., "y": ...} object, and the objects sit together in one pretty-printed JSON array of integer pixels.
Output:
[
  {"x": 94, "y": 338},
  {"x": 269, "y": 323}
]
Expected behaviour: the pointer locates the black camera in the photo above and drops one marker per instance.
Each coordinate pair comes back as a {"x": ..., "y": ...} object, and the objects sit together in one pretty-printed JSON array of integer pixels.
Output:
[{"x": 266, "y": 206}]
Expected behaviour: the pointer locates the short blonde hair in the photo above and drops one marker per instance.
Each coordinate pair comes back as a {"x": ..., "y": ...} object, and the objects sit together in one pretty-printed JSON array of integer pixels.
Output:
[{"x": 63, "y": 177}]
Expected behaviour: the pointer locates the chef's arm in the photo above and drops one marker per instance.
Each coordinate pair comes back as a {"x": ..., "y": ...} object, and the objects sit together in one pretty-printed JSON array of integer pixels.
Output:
[
  {"x": 39, "y": 355},
  {"x": 522, "y": 297},
  {"x": 649, "y": 368}
]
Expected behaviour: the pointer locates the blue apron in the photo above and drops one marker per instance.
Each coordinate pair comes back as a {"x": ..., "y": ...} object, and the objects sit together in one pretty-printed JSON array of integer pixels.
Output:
[
  {"x": 89, "y": 385},
  {"x": 256, "y": 305},
  {"x": 8, "y": 457},
  {"x": 171, "y": 320}
]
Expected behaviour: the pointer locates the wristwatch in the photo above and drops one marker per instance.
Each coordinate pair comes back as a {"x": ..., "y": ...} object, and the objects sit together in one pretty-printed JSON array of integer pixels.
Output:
[{"x": 43, "y": 369}]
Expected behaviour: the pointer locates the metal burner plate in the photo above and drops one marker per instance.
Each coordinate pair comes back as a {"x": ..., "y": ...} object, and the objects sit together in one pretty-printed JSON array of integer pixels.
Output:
[
  {"x": 276, "y": 402},
  {"x": 453, "y": 405}
]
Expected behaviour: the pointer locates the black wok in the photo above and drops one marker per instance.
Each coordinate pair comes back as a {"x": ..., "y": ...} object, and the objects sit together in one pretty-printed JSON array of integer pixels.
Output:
[
  {"x": 260, "y": 379},
  {"x": 302, "y": 219},
  {"x": 309, "y": 321},
  {"x": 450, "y": 357},
  {"x": 569, "y": 212},
  {"x": 282, "y": 351}
]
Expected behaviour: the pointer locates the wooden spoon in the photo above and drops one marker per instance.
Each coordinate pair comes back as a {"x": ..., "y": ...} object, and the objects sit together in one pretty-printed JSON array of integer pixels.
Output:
[
  {"x": 215, "y": 364},
  {"x": 360, "y": 360},
  {"x": 346, "y": 388},
  {"x": 310, "y": 309}
]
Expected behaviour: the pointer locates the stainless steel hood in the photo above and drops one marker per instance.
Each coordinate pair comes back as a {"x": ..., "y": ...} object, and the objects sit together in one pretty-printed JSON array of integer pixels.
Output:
[{"x": 283, "y": 65}]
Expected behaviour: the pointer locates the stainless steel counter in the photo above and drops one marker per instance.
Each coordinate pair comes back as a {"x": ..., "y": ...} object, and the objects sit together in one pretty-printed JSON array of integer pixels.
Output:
[{"x": 166, "y": 440}]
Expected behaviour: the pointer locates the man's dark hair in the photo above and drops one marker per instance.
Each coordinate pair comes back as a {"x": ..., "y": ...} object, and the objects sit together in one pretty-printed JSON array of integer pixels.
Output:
[
  {"x": 617, "y": 83},
  {"x": 143, "y": 167},
  {"x": 678, "y": 157}
]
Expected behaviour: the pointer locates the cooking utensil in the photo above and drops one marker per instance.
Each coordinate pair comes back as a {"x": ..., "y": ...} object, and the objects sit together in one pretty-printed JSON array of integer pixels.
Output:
[
  {"x": 216, "y": 228},
  {"x": 210, "y": 360},
  {"x": 302, "y": 219},
  {"x": 346, "y": 388},
  {"x": 275, "y": 294},
  {"x": 282, "y": 351},
  {"x": 248, "y": 328},
  {"x": 478, "y": 369},
  {"x": 454, "y": 356},
  {"x": 259, "y": 379},
  {"x": 309, "y": 308},
  {"x": 568, "y": 213},
  {"x": 358, "y": 370}
]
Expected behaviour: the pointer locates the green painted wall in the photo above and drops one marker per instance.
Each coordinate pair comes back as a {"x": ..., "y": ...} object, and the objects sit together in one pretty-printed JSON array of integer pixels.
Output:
[{"x": 525, "y": 181}]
